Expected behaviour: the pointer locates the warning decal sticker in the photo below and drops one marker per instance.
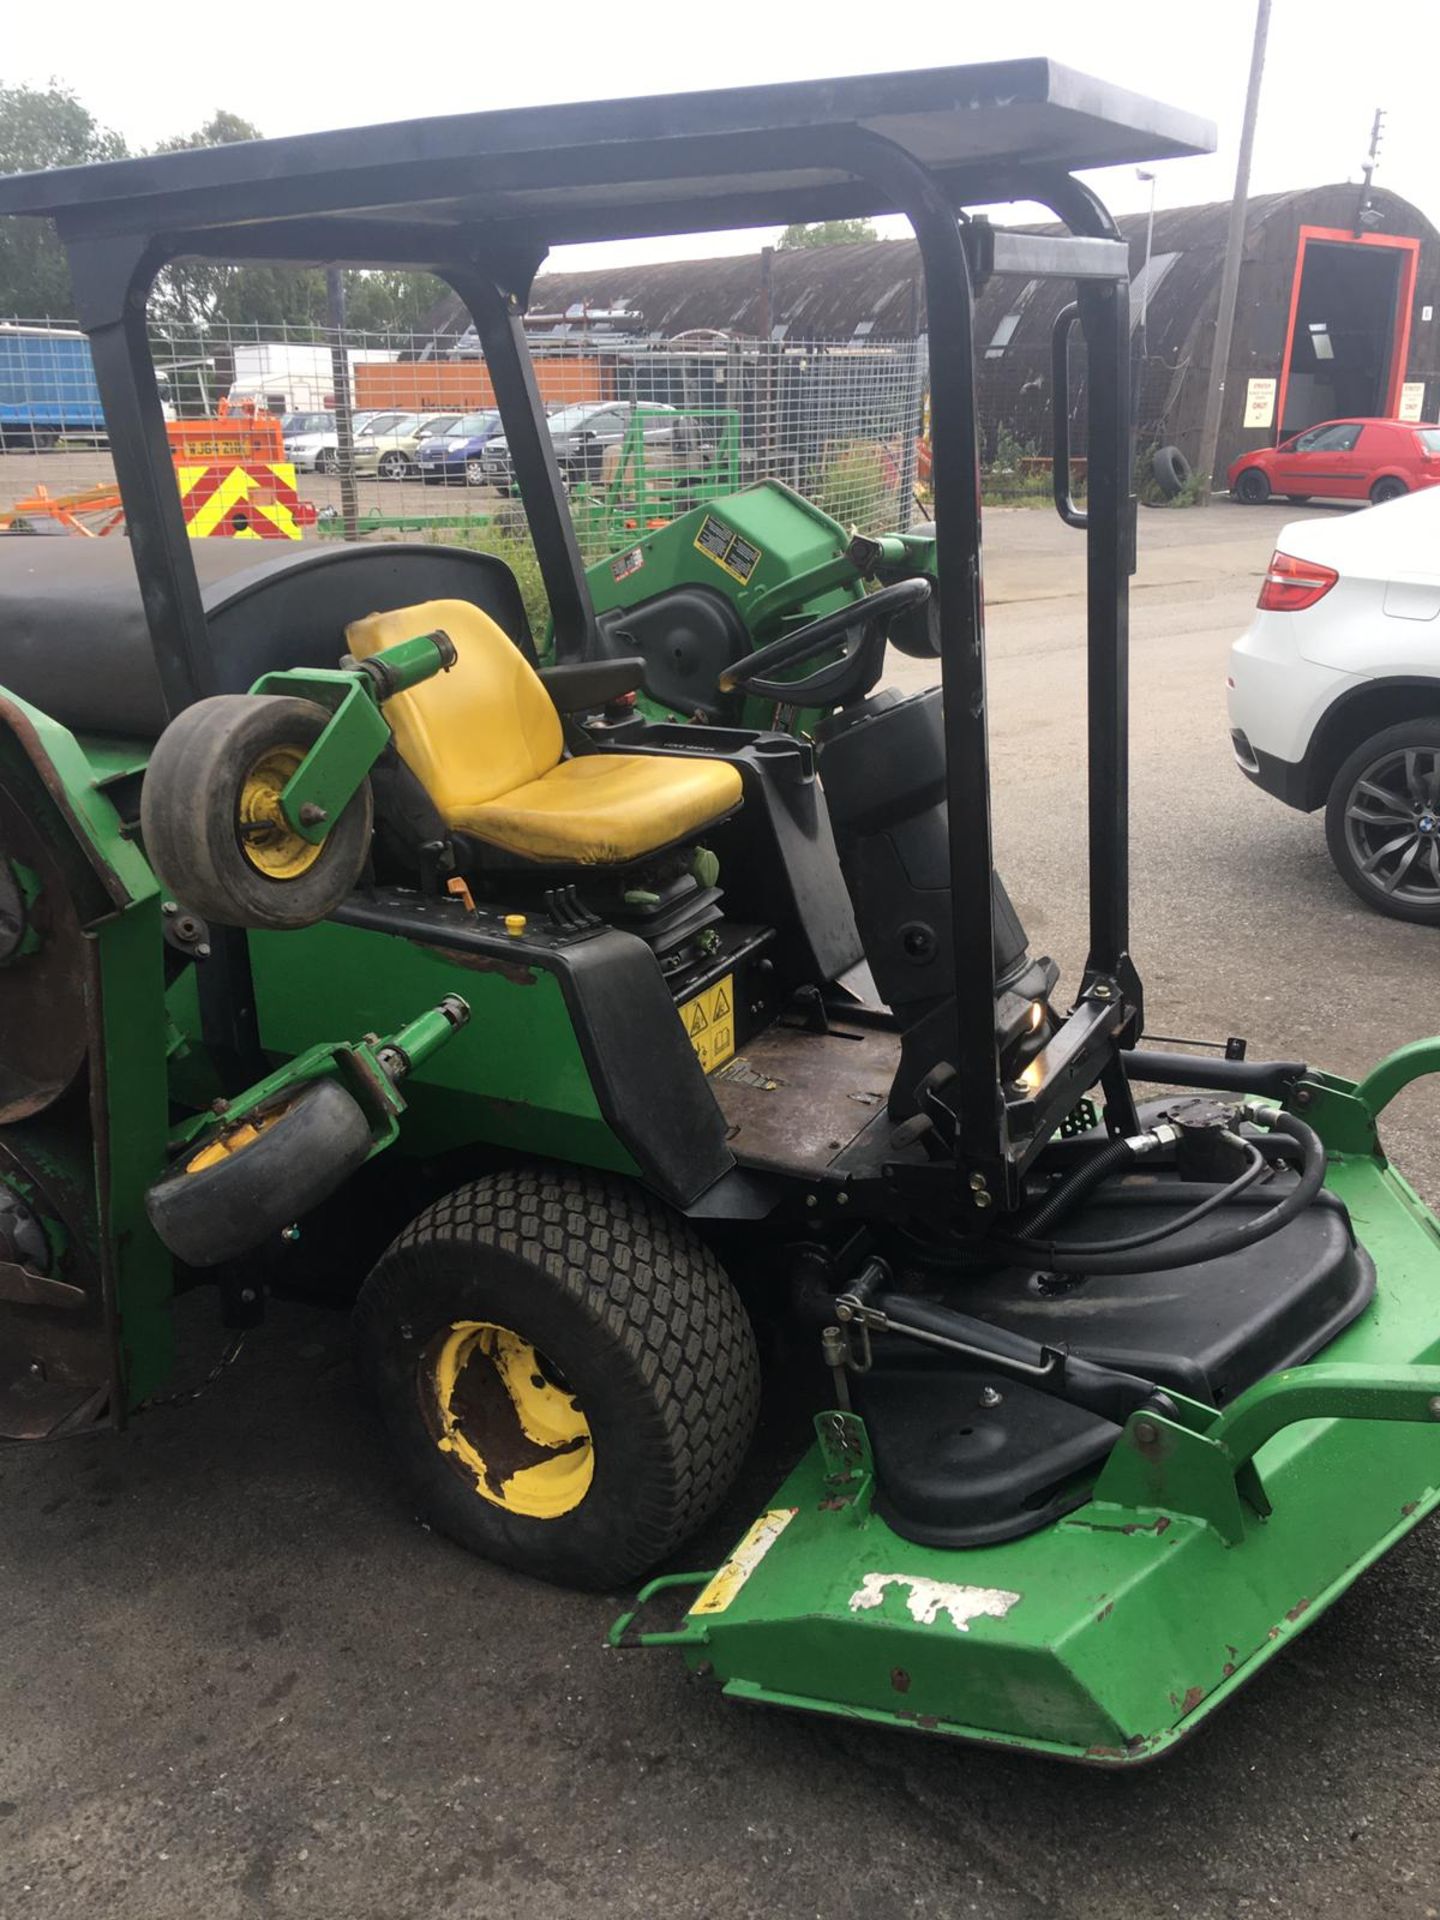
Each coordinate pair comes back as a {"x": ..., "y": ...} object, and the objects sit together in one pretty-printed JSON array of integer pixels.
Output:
[
  {"x": 738, "y": 556},
  {"x": 710, "y": 1023}
]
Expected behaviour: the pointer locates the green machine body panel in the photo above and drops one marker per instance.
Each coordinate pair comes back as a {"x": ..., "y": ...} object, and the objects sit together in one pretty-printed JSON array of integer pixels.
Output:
[
  {"x": 515, "y": 1077},
  {"x": 1206, "y": 1545},
  {"x": 781, "y": 560},
  {"x": 86, "y": 1333}
]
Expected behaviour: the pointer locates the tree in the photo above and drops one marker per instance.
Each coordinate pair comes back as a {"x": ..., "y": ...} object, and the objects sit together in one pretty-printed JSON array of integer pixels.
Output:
[
  {"x": 392, "y": 300},
  {"x": 42, "y": 127},
  {"x": 49, "y": 127},
  {"x": 825, "y": 233},
  {"x": 280, "y": 297},
  {"x": 203, "y": 293}
]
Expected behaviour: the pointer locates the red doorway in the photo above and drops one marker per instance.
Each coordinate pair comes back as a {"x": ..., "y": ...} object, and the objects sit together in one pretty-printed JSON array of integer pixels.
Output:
[{"x": 1348, "y": 335}]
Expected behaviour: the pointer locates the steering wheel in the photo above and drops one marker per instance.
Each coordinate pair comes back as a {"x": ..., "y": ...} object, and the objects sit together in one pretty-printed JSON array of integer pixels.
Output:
[{"x": 861, "y": 626}]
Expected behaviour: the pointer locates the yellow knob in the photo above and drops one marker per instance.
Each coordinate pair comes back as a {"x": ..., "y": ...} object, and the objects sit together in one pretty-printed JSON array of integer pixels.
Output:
[{"x": 515, "y": 924}]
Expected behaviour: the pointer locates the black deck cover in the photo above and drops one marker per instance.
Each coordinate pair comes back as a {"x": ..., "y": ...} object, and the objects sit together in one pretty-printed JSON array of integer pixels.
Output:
[{"x": 955, "y": 1471}]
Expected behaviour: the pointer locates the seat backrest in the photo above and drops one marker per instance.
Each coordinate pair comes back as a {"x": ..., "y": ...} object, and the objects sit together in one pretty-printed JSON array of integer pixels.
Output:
[{"x": 480, "y": 730}]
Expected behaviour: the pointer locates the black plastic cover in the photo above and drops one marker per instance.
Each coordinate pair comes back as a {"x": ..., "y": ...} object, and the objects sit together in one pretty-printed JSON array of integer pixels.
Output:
[
  {"x": 74, "y": 641},
  {"x": 953, "y": 1471},
  {"x": 686, "y": 636}
]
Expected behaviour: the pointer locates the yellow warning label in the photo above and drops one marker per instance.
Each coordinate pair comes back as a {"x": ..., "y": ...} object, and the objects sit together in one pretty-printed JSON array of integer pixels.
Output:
[
  {"x": 710, "y": 1023},
  {"x": 743, "y": 1561}
]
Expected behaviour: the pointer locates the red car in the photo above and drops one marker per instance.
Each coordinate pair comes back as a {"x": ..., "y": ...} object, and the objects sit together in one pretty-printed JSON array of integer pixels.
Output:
[{"x": 1373, "y": 460}]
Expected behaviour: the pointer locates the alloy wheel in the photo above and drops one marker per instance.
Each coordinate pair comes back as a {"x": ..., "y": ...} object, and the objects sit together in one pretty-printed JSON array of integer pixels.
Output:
[{"x": 1392, "y": 825}]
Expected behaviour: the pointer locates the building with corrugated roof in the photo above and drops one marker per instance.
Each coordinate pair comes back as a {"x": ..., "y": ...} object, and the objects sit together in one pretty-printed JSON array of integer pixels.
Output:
[{"x": 1336, "y": 315}]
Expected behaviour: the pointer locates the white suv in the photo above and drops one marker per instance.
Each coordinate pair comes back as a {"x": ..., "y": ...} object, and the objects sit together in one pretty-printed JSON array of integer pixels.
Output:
[{"x": 1335, "y": 694}]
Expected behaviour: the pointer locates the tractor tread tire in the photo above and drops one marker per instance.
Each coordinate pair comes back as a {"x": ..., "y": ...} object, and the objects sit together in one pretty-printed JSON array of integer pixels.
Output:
[{"x": 674, "y": 1375}]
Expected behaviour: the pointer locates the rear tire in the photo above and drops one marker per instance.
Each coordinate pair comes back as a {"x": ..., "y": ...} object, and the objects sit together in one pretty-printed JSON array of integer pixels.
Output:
[
  {"x": 1390, "y": 487},
  {"x": 1252, "y": 489},
  {"x": 210, "y": 822},
  {"x": 567, "y": 1376},
  {"x": 1383, "y": 796}
]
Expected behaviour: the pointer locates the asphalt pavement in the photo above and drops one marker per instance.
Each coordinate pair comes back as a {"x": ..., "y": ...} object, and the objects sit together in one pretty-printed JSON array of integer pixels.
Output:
[{"x": 238, "y": 1680}]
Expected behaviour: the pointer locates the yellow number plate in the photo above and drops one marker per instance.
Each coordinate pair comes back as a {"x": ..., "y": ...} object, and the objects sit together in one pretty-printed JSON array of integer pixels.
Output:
[{"x": 710, "y": 1023}]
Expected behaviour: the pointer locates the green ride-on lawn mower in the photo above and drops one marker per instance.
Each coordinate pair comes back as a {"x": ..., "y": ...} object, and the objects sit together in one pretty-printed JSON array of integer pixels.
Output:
[{"x": 339, "y": 938}]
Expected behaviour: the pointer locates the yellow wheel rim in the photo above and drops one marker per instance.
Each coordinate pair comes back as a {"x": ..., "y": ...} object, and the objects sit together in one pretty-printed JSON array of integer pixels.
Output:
[
  {"x": 497, "y": 1408},
  {"x": 268, "y": 841},
  {"x": 234, "y": 1140}
]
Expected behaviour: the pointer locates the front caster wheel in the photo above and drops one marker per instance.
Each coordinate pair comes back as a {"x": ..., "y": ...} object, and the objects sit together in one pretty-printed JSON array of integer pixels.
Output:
[
  {"x": 212, "y": 823},
  {"x": 567, "y": 1376},
  {"x": 243, "y": 1183}
]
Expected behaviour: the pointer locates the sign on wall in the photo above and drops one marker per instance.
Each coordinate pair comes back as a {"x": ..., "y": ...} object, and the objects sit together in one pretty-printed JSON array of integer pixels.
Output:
[
  {"x": 1412, "y": 400},
  {"x": 1260, "y": 403}
]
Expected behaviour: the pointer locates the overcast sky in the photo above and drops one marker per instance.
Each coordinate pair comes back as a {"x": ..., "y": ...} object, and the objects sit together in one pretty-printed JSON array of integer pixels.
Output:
[{"x": 151, "y": 70}]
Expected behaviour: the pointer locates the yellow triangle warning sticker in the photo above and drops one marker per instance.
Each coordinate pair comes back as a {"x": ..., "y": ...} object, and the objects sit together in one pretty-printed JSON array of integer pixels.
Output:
[
  {"x": 698, "y": 1021},
  {"x": 722, "y": 1004}
]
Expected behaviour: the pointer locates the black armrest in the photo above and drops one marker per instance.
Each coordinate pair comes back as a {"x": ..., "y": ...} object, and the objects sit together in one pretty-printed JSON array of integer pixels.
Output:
[{"x": 581, "y": 684}]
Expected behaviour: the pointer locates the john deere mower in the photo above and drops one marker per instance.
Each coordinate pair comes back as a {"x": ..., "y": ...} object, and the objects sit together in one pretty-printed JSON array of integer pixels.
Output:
[{"x": 338, "y": 935}]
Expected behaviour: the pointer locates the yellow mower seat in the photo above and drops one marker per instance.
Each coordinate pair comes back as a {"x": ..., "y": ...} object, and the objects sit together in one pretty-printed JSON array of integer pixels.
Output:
[{"x": 485, "y": 742}]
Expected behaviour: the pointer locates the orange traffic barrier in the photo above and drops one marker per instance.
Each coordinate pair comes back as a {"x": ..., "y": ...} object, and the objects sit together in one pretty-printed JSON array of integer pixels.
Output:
[
  {"x": 241, "y": 432},
  {"x": 240, "y": 499}
]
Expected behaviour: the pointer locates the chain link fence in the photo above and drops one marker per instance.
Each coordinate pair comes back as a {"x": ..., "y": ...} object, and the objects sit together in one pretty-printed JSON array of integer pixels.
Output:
[{"x": 642, "y": 428}]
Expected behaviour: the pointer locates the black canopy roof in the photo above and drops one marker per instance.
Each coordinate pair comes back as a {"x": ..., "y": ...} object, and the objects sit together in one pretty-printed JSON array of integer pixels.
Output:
[{"x": 546, "y": 175}]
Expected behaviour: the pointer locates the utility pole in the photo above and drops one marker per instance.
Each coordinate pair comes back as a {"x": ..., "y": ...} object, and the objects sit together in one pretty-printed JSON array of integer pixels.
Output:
[
  {"x": 1367, "y": 216},
  {"x": 340, "y": 379},
  {"x": 1234, "y": 248}
]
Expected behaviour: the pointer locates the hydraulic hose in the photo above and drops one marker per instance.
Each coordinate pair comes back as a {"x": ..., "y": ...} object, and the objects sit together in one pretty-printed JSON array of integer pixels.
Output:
[
  {"x": 1083, "y": 1182},
  {"x": 1254, "y": 1167},
  {"x": 1136, "y": 1255}
]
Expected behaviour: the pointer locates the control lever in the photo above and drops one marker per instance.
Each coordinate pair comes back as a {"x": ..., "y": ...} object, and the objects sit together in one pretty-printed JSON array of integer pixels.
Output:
[{"x": 1104, "y": 1391}]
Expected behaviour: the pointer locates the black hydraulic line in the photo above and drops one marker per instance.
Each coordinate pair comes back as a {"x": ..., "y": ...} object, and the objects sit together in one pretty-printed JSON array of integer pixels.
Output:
[
  {"x": 1064, "y": 1200},
  {"x": 1255, "y": 1166},
  {"x": 1271, "y": 1079},
  {"x": 1119, "y": 1258}
]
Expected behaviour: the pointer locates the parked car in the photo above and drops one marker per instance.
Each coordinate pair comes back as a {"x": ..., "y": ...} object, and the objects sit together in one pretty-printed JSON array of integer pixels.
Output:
[
  {"x": 457, "y": 454},
  {"x": 384, "y": 443},
  {"x": 1375, "y": 460},
  {"x": 581, "y": 434},
  {"x": 1334, "y": 695},
  {"x": 390, "y": 444},
  {"x": 300, "y": 426}
]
